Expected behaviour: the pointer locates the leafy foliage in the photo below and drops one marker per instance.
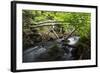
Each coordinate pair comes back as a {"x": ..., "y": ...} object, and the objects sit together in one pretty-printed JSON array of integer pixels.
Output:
[{"x": 68, "y": 21}]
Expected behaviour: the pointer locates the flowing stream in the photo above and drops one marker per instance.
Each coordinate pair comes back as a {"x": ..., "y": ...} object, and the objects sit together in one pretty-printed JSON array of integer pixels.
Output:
[{"x": 40, "y": 52}]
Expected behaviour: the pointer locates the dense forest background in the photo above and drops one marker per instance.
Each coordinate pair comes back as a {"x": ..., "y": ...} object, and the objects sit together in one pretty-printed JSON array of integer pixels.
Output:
[{"x": 64, "y": 22}]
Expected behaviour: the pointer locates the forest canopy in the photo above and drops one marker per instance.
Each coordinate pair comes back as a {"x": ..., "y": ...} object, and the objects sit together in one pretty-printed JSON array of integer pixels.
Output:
[{"x": 67, "y": 20}]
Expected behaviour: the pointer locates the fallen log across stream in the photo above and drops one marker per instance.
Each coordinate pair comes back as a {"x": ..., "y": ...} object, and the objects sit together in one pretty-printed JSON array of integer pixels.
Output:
[{"x": 53, "y": 50}]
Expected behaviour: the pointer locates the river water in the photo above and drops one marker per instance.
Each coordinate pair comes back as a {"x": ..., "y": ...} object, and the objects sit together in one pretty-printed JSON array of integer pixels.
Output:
[{"x": 40, "y": 52}]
